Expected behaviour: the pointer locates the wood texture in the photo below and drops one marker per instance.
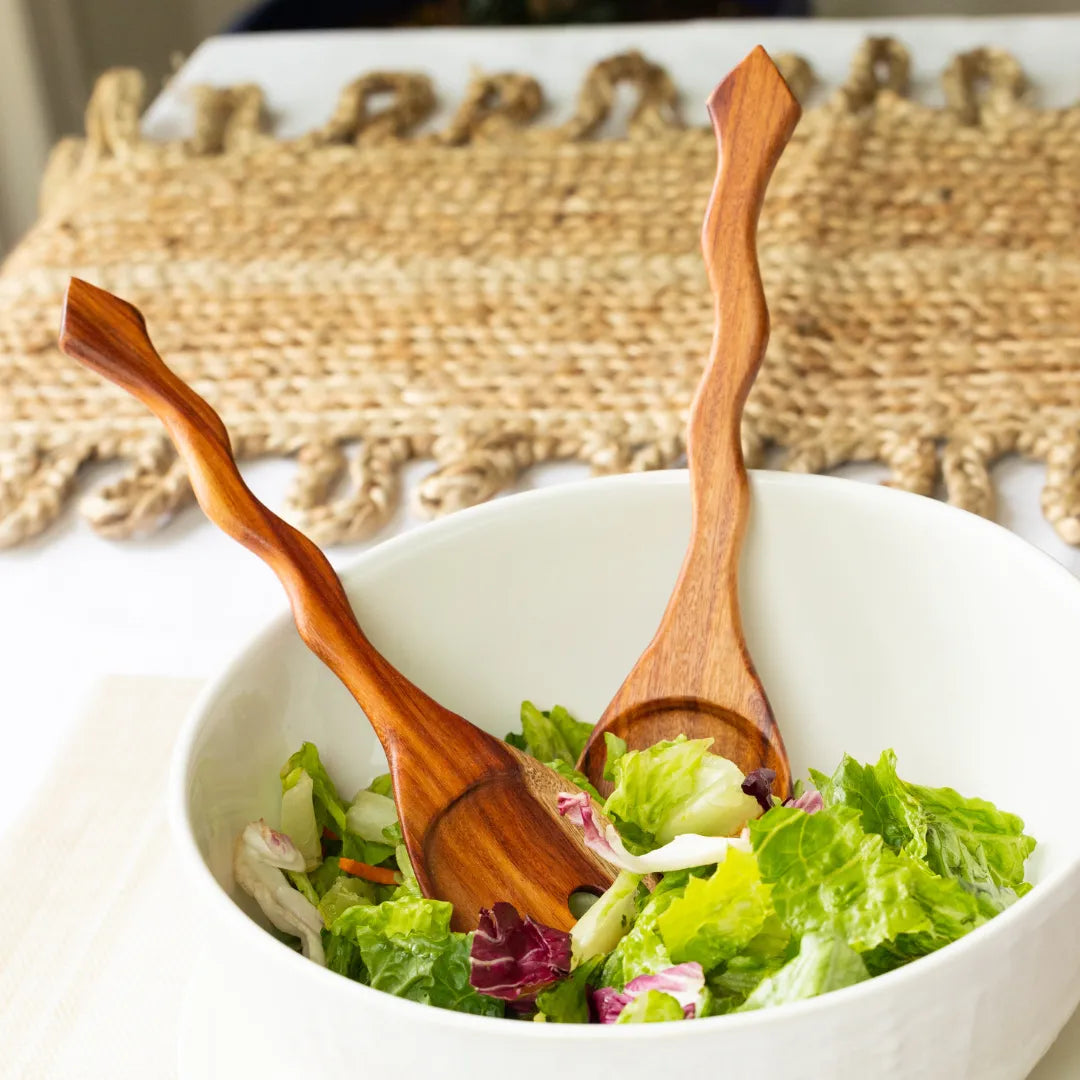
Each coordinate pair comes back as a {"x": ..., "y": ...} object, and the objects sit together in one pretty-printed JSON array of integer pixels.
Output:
[
  {"x": 479, "y": 818},
  {"x": 696, "y": 676}
]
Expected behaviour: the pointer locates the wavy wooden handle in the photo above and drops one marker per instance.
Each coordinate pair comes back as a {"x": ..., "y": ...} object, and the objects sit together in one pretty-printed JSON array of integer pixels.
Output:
[
  {"x": 696, "y": 676},
  {"x": 753, "y": 114},
  {"x": 109, "y": 335}
]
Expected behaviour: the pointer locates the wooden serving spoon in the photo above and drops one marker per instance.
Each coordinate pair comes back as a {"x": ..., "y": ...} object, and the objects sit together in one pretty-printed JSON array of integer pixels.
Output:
[
  {"x": 479, "y": 818},
  {"x": 696, "y": 676}
]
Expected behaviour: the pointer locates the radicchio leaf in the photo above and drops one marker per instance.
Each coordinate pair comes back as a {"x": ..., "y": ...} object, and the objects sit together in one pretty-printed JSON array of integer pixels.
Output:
[
  {"x": 758, "y": 785},
  {"x": 686, "y": 850},
  {"x": 810, "y": 801},
  {"x": 513, "y": 957},
  {"x": 684, "y": 982}
]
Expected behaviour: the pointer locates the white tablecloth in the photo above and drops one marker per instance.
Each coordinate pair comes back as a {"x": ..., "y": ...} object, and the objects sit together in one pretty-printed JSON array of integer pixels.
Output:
[{"x": 77, "y": 607}]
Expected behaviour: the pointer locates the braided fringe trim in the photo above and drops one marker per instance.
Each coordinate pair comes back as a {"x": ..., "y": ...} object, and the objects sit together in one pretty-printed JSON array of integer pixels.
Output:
[{"x": 473, "y": 466}]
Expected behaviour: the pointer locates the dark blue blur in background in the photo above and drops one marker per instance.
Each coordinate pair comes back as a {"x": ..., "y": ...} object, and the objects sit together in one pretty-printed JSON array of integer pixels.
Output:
[{"x": 342, "y": 14}]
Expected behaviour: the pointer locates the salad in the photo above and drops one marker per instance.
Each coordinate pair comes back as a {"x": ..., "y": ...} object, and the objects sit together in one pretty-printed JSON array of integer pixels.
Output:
[{"x": 726, "y": 899}]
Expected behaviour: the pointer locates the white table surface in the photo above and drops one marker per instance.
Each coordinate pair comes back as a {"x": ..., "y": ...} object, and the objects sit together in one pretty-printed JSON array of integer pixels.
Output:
[{"x": 78, "y": 607}]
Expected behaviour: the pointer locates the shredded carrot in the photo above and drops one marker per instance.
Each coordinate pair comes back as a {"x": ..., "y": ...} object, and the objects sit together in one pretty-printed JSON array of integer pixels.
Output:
[{"x": 379, "y": 874}]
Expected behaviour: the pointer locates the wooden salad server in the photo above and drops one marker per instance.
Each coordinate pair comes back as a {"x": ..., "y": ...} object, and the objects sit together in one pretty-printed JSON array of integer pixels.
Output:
[
  {"x": 696, "y": 676},
  {"x": 479, "y": 818}
]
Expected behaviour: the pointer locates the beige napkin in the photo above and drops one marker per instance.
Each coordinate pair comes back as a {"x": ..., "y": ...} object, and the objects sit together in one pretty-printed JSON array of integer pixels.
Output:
[{"x": 97, "y": 933}]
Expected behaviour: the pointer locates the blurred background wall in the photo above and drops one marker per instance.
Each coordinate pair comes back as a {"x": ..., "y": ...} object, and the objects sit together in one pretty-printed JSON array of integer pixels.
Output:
[{"x": 51, "y": 51}]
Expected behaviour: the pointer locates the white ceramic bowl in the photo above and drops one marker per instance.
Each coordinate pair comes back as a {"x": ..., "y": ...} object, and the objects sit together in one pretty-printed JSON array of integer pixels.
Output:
[{"x": 876, "y": 619}]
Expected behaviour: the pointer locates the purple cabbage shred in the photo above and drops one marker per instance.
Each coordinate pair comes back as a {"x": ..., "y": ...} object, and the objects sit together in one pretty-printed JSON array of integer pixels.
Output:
[{"x": 513, "y": 958}]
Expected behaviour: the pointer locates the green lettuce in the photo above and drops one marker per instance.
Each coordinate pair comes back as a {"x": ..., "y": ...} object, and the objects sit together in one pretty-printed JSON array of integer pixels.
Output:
[
  {"x": 676, "y": 787},
  {"x": 652, "y": 1007},
  {"x": 830, "y": 876},
  {"x": 382, "y": 785},
  {"x": 823, "y": 964},
  {"x": 551, "y": 736},
  {"x": 765, "y": 954},
  {"x": 409, "y": 915},
  {"x": 567, "y": 1002},
  {"x": 329, "y": 809},
  {"x": 601, "y": 928},
  {"x": 343, "y": 956},
  {"x": 968, "y": 840},
  {"x": 346, "y": 892},
  {"x": 717, "y": 917},
  {"x": 568, "y": 772},
  {"x": 642, "y": 950},
  {"x": 407, "y": 949}
]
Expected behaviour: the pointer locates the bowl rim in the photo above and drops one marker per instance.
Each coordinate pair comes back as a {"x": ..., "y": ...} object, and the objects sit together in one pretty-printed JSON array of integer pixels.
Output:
[{"x": 1026, "y": 909}]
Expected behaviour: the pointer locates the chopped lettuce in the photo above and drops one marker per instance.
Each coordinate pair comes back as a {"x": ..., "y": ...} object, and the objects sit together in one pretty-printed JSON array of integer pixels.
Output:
[
  {"x": 409, "y": 915},
  {"x": 766, "y": 953},
  {"x": 580, "y": 780},
  {"x": 407, "y": 949},
  {"x": 409, "y": 885},
  {"x": 553, "y": 735},
  {"x": 346, "y": 892},
  {"x": 370, "y": 815},
  {"x": 600, "y": 929},
  {"x": 329, "y": 809},
  {"x": 343, "y": 956},
  {"x": 654, "y": 1006},
  {"x": 323, "y": 877},
  {"x": 717, "y": 917},
  {"x": 382, "y": 785},
  {"x": 302, "y": 883},
  {"x": 831, "y": 876},
  {"x": 823, "y": 964},
  {"x": 642, "y": 950},
  {"x": 677, "y": 787},
  {"x": 968, "y": 840},
  {"x": 614, "y": 748},
  {"x": 567, "y": 1002},
  {"x": 298, "y": 820}
]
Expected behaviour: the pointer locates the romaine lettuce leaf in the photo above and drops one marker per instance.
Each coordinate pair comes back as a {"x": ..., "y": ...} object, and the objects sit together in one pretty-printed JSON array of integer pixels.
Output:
[
  {"x": 717, "y": 917},
  {"x": 567, "y": 1002},
  {"x": 600, "y": 929},
  {"x": 409, "y": 885},
  {"x": 323, "y": 877},
  {"x": 431, "y": 971},
  {"x": 769, "y": 950},
  {"x": 407, "y": 949},
  {"x": 382, "y": 785},
  {"x": 642, "y": 951},
  {"x": 369, "y": 814},
  {"x": 329, "y": 809},
  {"x": 298, "y": 820},
  {"x": 823, "y": 964},
  {"x": 551, "y": 736},
  {"x": 968, "y": 840},
  {"x": 409, "y": 915},
  {"x": 345, "y": 892},
  {"x": 567, "y": 772},
  {"x": 677, "y": 787},
  {"x": 302, "y": 883},
  {"x": 343, "y": 956},
  {"x": 652, "y": 1007},
  {"x": 830, "y": 876}
]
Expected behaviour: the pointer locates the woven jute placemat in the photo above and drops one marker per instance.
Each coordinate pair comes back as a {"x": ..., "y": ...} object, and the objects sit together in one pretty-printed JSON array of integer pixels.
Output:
[{"x": 501, "y": 293}]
